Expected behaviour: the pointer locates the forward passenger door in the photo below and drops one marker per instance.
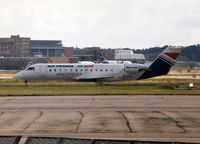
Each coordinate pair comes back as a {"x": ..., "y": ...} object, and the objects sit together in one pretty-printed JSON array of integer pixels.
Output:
[{"x": 43, "y": 71}]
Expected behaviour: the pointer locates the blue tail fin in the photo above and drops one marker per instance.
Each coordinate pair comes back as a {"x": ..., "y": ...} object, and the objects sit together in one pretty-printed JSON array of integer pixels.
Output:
[
  {"x": 102, "y": 58},
  {"x": 163, "y": 63}
]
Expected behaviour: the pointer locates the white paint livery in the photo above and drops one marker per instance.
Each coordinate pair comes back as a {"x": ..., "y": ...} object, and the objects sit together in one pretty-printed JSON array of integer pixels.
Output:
[{"x": 89, "y": 71}]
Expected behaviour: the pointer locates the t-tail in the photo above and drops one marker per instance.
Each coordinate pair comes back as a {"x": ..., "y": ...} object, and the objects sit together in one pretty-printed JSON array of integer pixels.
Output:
[
  {"x": 163, "y": 63},
  {"x": 102, "y": 58}
]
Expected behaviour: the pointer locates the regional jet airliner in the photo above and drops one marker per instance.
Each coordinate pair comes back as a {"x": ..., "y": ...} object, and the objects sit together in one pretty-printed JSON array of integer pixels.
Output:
[{"x": 109, "y": 71}]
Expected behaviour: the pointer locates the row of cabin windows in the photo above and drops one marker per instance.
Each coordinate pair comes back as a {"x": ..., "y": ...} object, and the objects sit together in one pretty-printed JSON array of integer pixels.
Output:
[{"x": 81, "y": 70}]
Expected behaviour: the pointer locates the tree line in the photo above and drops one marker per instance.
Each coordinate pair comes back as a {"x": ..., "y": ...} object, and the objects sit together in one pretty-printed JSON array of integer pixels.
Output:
[{"x": 189, "y": 53}]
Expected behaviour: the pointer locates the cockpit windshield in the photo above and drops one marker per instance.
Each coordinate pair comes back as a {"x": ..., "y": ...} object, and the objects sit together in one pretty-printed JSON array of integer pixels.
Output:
[{"x": 30, "y": 69}]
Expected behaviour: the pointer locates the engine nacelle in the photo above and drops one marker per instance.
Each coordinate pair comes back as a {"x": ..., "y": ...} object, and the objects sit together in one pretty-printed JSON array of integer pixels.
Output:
[{"x": 132, "y": 68}]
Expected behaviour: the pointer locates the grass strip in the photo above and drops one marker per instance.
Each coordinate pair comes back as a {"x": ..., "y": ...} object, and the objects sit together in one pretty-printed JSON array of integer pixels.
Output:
[{"x": 11, "y": 87}]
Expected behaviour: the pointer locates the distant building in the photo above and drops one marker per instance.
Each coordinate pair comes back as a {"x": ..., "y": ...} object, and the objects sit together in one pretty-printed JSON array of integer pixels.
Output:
[
  {"x": 186, "y": 65},
  {"x": 87, "y": 54},
  {"x": 74, "y": 59},
  {"x": 92, "y": 54},
  {"x": 109, "y": 54},
  {"x": 13, "y": 63},
  {"x": 50, "y": 48},
  {"x": 68, "y": 51},
  {"x": 16, "y": 52},
  {"x": 128, "y": 55},
  {"x": 58, "y": 60},
  {"x": 123, "y": 55},
  {"x": 15, "y": 46}
]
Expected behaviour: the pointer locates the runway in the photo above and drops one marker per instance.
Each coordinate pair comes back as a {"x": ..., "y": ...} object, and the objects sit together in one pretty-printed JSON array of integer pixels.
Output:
[{"x": 115, "y": 117}]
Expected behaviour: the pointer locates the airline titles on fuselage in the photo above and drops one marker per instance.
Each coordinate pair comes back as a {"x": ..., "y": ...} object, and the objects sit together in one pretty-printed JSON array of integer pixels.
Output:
[{"x": 71, "y": 71}]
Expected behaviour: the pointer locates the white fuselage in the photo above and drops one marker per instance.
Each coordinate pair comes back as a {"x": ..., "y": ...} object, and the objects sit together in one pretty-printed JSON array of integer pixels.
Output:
[
  {"x": 108, "y": 71},
  {"x": 84, "y": 72}
]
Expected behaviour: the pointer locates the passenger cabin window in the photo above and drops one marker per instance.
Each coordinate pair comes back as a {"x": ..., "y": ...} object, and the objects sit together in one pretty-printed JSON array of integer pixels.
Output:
[{"x": 31, "y": 69}]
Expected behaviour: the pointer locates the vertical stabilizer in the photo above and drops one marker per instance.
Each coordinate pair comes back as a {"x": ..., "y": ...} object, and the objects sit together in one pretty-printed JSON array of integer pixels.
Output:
[
  {"x": 102, "y": 58},
  {"x": 162, "y": 64}
]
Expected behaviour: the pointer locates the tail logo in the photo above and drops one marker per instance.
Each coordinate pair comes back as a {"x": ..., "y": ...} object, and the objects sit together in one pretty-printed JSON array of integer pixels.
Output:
[{"x": 172, "y": 55}]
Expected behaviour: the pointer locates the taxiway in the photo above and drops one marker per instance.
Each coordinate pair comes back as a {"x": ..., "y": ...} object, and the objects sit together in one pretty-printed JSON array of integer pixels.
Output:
[{"x": 162, "y": 117}]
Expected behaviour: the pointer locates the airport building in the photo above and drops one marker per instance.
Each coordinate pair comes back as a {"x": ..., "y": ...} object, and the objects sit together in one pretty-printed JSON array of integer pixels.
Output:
[
  {"x": 15, "y": 63},
  {"x": 68, "y": 51},
  {"x": 50, "y": 48},
  {"x": 16, "y": 52},
  {"x": 87, "y": 54},
  {"x": 15, "y": 46},
  {"x": 128, "y": 55},
  {"x": 92, "y": 54},
  {"x": 109, "y": 54}
]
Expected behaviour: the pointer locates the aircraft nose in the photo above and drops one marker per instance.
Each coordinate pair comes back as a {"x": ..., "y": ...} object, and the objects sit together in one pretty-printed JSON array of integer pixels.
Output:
[{"x": 17, "y": 76}]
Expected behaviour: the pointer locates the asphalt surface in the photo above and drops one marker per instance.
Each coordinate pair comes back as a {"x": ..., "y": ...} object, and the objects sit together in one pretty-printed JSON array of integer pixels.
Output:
[{"x": 170, "y": 117}]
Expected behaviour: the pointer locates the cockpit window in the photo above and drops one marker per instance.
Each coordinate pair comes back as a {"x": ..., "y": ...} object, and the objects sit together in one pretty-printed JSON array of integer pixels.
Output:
[{"x": 30, "y": 68}]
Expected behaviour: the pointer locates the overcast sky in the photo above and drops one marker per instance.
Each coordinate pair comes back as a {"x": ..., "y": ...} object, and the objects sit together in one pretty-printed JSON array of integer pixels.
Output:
[{"x": 104, "y": 23}]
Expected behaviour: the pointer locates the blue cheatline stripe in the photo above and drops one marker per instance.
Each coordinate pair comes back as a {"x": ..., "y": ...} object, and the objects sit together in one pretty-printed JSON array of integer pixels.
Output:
[
  {"x": 168, "y": 58},
  {"x": 164, "y": 60}
]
